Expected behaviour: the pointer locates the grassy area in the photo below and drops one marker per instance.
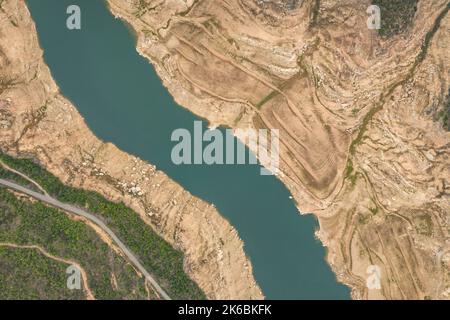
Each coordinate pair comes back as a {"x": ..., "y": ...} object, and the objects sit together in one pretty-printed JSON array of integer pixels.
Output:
[
  {"x": 349, "y": 172},
  {"x": 270, "y": 96},
  {"x": 11, "y": 176},
  {"x": 444, "y": 114},
  {"x": 164, "y": 262},
  {"x": 419, "y": 59},
  {"x": 28, "y": 274},
  {"x": 32, "y": 223},
  {"x": 429, "y": 36},
  {"x": 396, "y": 16}
]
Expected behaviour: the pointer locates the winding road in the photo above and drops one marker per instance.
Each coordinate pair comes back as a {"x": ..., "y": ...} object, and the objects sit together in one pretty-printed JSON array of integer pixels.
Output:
[{"x": 74, "y": 210}]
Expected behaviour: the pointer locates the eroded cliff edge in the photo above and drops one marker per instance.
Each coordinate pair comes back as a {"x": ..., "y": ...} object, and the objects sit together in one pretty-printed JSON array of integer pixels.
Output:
[
  {"x": 363, "y": 140},
  {"x": 38, "y": 122}
]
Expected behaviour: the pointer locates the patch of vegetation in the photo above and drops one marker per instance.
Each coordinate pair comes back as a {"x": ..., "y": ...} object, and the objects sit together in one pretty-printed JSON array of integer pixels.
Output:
[
  {"x": 419, "y": 59},
  {"x": 363, "y": 219},
  {"x": 23, "y": 222},
  {"x": 11, "y": 176},
  {"x": 396, "y": 16},
  {"x": 366, "y": 120},
  {"x": 429, "y": 36},
  {"x": 424, "y": 225},
  {"x": 366, "y": 218},
  {"x": 26, "y": 274},
  {"x": 271, "y": 95},
  {"x": 374, "y": 210},
  {"x": 315, "y": 13},
  {"x": 285, "y": 84},
  {"x": 349, "y": 174},
  {"x": 444, "y": 114},
  {"x": 158, "y": 257}
]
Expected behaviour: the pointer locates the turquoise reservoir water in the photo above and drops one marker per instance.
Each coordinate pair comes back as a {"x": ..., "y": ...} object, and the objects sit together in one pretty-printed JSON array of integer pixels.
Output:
[{"x": 123, "y": 101}]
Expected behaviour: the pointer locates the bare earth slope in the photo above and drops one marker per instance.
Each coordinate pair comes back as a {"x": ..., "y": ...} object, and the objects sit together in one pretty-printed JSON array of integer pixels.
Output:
[
  {"x": 360, "y": 144},
  {"x": 37, "y": 121}
]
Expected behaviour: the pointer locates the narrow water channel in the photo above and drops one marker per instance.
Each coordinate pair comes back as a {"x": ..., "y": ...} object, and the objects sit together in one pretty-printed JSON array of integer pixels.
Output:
[{"x": 123, "y": 101}]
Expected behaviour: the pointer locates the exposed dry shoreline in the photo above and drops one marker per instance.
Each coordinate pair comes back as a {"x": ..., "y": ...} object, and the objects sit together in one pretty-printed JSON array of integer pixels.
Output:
[
  {"x": 360, "y": 147},
  {"x": 37, "y": 121}
]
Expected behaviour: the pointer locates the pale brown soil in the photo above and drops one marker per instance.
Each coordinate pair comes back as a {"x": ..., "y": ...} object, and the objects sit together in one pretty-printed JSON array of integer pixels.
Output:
[
  {"x": 38, "y": 122},
  {"x": 360, "y": 147}
]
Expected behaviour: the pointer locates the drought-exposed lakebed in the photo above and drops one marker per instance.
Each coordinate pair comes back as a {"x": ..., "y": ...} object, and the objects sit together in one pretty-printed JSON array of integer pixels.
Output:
[{"x": 123, "y": 101}]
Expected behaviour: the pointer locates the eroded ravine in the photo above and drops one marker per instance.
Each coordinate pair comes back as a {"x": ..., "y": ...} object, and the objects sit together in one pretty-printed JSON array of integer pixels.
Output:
[
  {"x": 314, "y": 70},
  {"x": 123, "y": 101}
]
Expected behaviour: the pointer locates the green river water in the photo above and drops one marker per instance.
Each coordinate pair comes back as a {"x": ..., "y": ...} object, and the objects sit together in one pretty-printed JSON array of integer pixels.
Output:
[{"x": 123, "y": 101}]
